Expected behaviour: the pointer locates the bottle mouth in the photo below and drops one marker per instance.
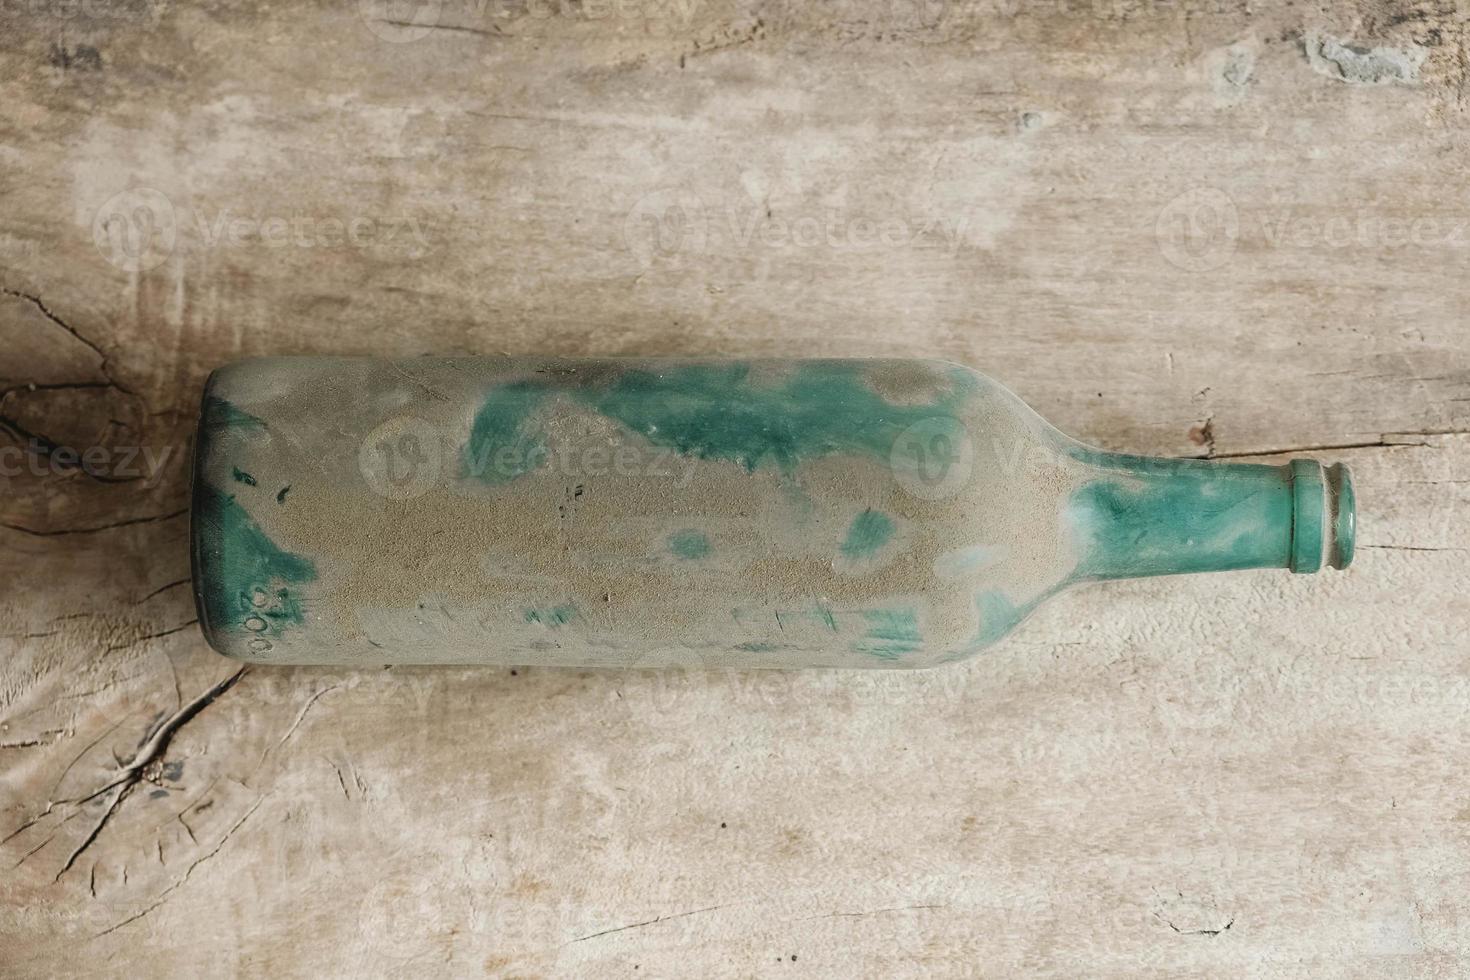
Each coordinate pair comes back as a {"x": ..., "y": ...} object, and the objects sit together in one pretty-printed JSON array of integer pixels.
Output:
[{"x": 1324, "y": 516}]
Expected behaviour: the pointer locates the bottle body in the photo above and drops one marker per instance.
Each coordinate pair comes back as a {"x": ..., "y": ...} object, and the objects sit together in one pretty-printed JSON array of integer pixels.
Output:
[{"x": 657, "y": 512}]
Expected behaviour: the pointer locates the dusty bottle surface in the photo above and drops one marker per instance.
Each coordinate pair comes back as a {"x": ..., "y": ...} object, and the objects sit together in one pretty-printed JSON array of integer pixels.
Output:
[{"x": 653, "y": 512}]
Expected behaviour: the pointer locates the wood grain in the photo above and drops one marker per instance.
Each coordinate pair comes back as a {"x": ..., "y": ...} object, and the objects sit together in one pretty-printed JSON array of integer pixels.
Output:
[{"x": 1178, "y": 229}]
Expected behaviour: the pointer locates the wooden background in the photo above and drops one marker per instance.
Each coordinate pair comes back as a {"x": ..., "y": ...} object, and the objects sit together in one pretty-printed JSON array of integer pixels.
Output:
[{"x": 1218, "y": 229}]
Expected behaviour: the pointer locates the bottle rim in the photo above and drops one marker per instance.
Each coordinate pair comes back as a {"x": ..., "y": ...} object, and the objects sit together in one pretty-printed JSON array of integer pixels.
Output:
[{"x": 1324, "y": 516}]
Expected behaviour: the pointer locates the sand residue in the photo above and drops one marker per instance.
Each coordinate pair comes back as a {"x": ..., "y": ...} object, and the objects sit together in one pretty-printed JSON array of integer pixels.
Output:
[{"x": 458, "y": 568}]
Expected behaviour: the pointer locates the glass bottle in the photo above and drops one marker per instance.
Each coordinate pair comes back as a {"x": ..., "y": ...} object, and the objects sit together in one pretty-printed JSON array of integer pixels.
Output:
[{"x": 692, "y": 513}]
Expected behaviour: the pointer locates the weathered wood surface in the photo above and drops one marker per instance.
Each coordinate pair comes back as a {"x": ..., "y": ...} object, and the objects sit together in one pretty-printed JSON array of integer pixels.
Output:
[{"x": 1179, "y": 229}]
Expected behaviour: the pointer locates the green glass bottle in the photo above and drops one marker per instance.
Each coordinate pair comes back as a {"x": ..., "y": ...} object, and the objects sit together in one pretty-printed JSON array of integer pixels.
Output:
[{"x": 657, "y": 512}]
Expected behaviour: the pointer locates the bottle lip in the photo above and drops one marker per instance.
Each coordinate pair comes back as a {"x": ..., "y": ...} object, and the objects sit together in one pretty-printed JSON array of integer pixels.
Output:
[
  {"x": 1344, "y": 514},
  {"x": 1324, "y": 516}
]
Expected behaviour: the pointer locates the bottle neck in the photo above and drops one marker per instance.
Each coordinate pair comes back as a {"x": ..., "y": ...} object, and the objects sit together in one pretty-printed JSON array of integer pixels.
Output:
[{"x": 1137, "y": 516}]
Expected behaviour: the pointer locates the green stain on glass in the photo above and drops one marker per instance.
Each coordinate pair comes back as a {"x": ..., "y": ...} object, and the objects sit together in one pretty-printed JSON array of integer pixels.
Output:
[
  {"x": 718, "y": 412},
  {"x": 504, "y": 441},
  {"x": 756, "y": 646},
  {"x": 1345, "y": 529},
  {"x": 998, "y": 616},
  {"x": 819, "y": 615},
  {"x": 218, "y": 414},
  {"x": 1164, "y": 517},
  {"x": 689, "y": 545},
  {"x": 892, "y": 633},
  {"x": 869, "y": 532},
  {"x": 242, "y": 477},
  {"x": 712, "y": 411},
  {"x": 246, "y": 579},
  {"x": 554, "y": 616}
]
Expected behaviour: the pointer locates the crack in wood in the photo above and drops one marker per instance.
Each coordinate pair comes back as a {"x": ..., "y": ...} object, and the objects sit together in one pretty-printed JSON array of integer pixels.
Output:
[
  {"x": 44, "y": 447},
  {"x": 184, "y": 878},
  {"x": 129, "y": 522},
  {"x": 114, "y": 647},
  {"x": 647, "y": 922},
  {"x": 152, "y": 748},
  {"x": 58, "y": 321}
]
